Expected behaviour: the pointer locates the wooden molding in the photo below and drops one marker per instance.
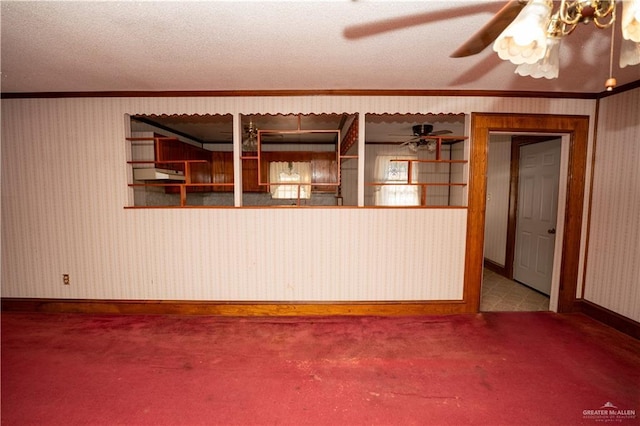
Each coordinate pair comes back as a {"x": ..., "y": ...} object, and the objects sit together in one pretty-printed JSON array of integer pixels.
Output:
[
  {"x": 164, "y": 307},
  {"x": 280, "y": 93},
  {"x": 495, "y": 267},
  {"x": 482, "y": 124},
  {"x": 610, "y": 318},
  {"x": 514, "y": 174},
  {"x": 620, "y": 89},
  {"x": 328, "y": 92}
]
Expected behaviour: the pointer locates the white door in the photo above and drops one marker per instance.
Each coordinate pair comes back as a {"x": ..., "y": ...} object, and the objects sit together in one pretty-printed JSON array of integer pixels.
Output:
[{"x": 537, "y": 211}]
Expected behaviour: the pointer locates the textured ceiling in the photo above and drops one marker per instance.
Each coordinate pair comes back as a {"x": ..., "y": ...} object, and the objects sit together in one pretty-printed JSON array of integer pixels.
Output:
[{"x": 239, "y": 45}]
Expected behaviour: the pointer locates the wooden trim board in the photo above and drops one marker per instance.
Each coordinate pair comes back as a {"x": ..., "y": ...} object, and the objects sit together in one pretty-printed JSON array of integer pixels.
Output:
[
  {"x": 610, "y": 318},
  {"x": 174, "y": 307},
  {"x": 482, "y": 124}
]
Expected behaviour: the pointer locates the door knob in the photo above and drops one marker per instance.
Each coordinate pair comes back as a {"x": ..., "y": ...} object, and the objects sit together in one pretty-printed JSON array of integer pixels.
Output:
[{"x": 551, "y": 231}]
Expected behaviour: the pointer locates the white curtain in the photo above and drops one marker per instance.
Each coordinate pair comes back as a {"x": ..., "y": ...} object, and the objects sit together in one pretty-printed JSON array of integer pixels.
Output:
[
  {"x": 389, "y": 170},
  {"x": 289, "y": 172}
]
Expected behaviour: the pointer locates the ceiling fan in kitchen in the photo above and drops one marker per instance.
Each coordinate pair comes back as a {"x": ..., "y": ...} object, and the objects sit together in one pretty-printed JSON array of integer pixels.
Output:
[
  {"x": 250, "y": 137},
  {"x": 250, "y": 133}
]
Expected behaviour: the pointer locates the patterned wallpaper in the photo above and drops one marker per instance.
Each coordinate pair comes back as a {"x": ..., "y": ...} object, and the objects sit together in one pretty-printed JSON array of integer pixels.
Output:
[
  {"x": 613, "y": 261},
  {"x": 498, "y": 177},
  {"x": 64, "y": 188}
]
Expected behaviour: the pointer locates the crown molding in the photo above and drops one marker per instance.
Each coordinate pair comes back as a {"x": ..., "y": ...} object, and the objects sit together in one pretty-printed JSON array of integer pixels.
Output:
[{"x": 282, "y": 93}]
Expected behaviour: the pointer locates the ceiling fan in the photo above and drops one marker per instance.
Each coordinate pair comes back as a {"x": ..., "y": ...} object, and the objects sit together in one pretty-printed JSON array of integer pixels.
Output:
[
  {"x": 250, "y": 136},
  {"x": 421, "y": 137},
  {"x": 491, "y": 30},
  {"x": 480, "y": 40},
  {"x": 528, "y": 32}
]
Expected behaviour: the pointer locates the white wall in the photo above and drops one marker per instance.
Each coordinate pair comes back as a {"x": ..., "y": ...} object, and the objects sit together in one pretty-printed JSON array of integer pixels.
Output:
[
  {"x": 613, "y": 262},
  {"x": 64, "y": 188}
]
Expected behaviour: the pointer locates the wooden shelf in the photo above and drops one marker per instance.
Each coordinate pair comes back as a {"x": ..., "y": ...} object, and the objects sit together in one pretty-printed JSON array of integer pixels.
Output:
[{"x": 438, "y": 161}]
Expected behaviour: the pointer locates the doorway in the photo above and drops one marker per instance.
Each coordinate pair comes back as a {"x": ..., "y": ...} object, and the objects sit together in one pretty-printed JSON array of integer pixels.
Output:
[
  {"x": 575, "y": 132},
  {"x": 523, "y": 180},
  {"x": 501, "y": 294}
]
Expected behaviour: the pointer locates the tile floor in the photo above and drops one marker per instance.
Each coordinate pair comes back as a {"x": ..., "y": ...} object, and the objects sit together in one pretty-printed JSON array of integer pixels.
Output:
[{"x": 502, "y": 294}]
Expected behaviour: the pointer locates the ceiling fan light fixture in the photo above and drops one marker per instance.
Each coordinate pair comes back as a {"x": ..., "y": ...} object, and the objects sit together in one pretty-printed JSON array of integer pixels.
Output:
[
  {"x": 524, "y": 40},
  {"x": 600, "y": 12},
  {"x": 250, "y": 141},
  {"x": 629, "y": 53},
  {"x": 432, "y": 144},
  {"x": 548, "y": 67},
  {"x": 531, "y": 31},
  {"x": 631, "y": 20}
]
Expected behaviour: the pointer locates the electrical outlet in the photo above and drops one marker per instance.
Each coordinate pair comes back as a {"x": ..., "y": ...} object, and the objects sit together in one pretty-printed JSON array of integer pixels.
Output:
[{"x": 65, "y": 279}]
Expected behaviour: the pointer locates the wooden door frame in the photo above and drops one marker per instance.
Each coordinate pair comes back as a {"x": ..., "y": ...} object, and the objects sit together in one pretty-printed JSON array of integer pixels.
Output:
[{"x": 577, "y": 128}]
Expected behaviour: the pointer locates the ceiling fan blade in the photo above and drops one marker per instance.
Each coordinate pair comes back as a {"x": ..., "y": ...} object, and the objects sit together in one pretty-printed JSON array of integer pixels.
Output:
[
  {"x": 409, "y": 141},
  {"x": 491, "y": 29},
  {"x": 439, "y": 132},
  {"x": 392, "y": 24}
]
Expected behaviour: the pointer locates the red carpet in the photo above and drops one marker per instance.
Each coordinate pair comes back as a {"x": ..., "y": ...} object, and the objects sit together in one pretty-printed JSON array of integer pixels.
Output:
[{"x": 486, "y": 369}]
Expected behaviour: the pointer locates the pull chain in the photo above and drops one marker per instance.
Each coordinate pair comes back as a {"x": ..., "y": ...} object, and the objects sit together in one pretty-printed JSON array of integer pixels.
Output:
[{"x": 611, "y": 82}]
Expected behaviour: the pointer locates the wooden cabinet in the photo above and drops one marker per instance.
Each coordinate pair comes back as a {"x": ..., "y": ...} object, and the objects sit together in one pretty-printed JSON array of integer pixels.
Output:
[
  {"x": 221, "y": 170},
  {"x": 323, "y": 165},
  {"x": 250, "y": 175},
  {"x": 199, "y": 172},
  {"x": 216, "y": 167}
]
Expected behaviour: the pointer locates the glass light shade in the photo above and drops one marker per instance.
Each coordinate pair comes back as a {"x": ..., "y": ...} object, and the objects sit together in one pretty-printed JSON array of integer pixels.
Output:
[
  {"x": 547, "y": 67},
  {"x": 524, "y": 40},
  {"x": 250, "y": 143},
  {"x": 629, "y": 53},
  {"x": 631, "y": 20}
]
